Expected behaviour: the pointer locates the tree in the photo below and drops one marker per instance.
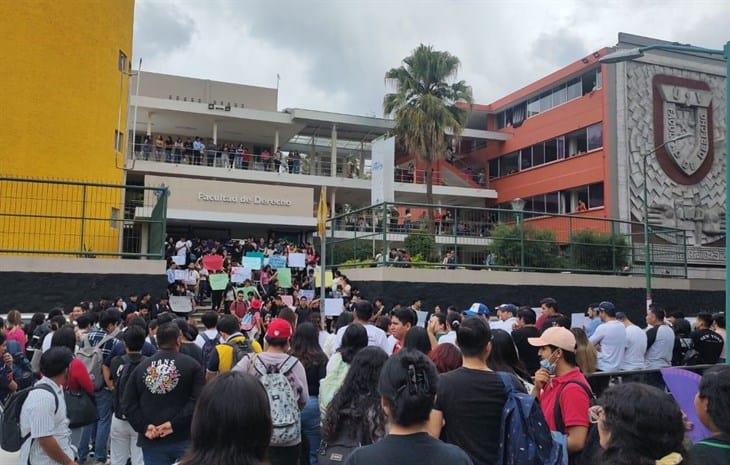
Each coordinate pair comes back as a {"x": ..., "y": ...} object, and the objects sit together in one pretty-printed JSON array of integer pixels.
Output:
[
  {"x": 532, "y": 248},
  {"x": 427, "y": 102}
]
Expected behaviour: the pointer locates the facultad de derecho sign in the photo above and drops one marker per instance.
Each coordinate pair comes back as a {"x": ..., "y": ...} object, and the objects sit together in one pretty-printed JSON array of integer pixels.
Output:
[{"x": 243, "y": 199}]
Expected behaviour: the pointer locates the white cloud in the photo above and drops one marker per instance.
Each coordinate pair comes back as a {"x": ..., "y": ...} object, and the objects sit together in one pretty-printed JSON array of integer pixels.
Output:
[{"x": 332, "y": 55}]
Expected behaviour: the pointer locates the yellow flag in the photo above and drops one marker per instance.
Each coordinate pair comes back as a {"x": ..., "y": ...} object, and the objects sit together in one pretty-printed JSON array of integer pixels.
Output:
[{"x": 322, "y": 213}]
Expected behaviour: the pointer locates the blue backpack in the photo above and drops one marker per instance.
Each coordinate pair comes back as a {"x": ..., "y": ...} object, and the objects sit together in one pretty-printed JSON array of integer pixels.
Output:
[{"x": 525, "y": 437}]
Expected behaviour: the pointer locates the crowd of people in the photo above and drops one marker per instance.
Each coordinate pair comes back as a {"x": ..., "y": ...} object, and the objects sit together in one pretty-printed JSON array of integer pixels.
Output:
[{"x": 252, "y": 383}]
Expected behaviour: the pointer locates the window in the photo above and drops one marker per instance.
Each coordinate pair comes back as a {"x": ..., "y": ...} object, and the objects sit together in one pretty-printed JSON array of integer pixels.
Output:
[
  {"x": 599, "y": 84},
  {"x": 494, "y": 168},
  {"x": 589, "y": 81},
  {"x": 595, "y": 136},
  {"x": 526, "y": 158},
  {"x": 117, "y": 141},
  {"x": 122, "y": 64},
  {"x": 595, "y": 195},
  {"x": 551, "y": 150},
  {"x": 574, "y": 88},
  {"x": 500, "y": 120},
  {"x": 560, "y": 95},
  {"x": 539, "y": 203},
  {"x": 546, "y": 101},
  {"x": 560, "y": 143},
  {"x": 538, "y": 154},
  {"x": 576, "y": 143},
  {"x": 533, "y": 107},
  {"x": 509, "y": 164},
  {"x": 552, "y": 202}
]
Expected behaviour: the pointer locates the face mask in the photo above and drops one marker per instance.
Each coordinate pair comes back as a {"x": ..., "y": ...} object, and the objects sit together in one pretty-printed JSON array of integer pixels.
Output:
[{"x": 547, "y": 365}]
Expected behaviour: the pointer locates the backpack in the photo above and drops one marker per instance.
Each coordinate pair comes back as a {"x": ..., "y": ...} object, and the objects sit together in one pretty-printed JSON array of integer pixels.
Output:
[
  {"x": 587, "y": 455},
  {"x": 22, "y": 369},
  {"x": 10, "y": 438},
  {"x": 128, "y": 367},
  {"x": 525, "y": 438},
  {"x": 240, "y": 350},
  {"x": 209, "y": 346},
  {"x": 282, "y": 401},
  {"x": 92, "y": 358},
  {"x": 337, "y": 451}
]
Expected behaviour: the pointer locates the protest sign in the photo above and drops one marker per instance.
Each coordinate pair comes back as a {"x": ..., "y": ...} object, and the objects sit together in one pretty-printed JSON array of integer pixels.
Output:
[
  {"x": 333, "y": 307},
  {"x": 683, "y": 385},
  {"x": 284, "y": 275},
  {"x": 252, "y": 263},
  {"x": 277, "y": 261},
  {"x": 181, "y": 304},
  {"x": 248, "y": 289},
  {"x": 328, "y": 279},
  {"x": 213, "y": 262},
  {"x": 179, "y": 260},
  {"x": 218, "y": 281},
  {"x": 297, "y": 260},
  {"x": 240, "y": 274},
  {"x": 288, "y": 300},
  {"x": 181, "y": 275},
  {"x": 422, "y": 318},
  {"x": 307, "y": 293}
]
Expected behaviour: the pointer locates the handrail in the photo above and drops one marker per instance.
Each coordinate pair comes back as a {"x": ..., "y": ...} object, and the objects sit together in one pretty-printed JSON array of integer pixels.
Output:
[{"x": 646, "y": 371}]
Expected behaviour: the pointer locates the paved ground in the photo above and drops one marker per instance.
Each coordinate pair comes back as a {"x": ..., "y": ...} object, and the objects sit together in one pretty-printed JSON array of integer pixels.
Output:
[{"x": 7, "y": 458}]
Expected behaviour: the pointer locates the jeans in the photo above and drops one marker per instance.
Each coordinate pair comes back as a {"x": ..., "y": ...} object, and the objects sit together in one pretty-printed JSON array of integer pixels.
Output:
[
  {"x": 124, "y": 443},
  {"x": 104, "y": 406},
  {"x": 310, "y": 428},
  {"x": 164, "y": 454}
]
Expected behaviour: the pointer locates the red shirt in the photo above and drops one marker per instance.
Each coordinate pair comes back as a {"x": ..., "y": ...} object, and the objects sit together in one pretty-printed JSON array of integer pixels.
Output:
[
  {"x": 239, "y": 308},
  {"x": 541, "y": 321},
  {"x": 574, "y": 401},
  {"x": 78, "y": 377}
]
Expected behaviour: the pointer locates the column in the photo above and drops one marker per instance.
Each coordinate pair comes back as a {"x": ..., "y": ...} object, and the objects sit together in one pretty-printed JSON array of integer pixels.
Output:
[
  {"x": 333, "y": 165},
  {"x": 313, "y": 160},
  {"x": 144, "y": 241},
  {"x": 276, "y": 140},
  {"x": 362, "y": 159},
  {"x": 149, "y": 124},
  {"x": 332, "y": 201},
  {"x": 215, "y": 132}
]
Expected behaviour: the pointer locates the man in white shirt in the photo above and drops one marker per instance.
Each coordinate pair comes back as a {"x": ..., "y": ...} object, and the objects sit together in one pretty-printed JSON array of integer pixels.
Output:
[
  {"x": 609, "y": 339},
  {"x": 506, "y": 318},
  {"x": 635, "y": 345},
  {"x": 659, "y": 339},
  {"x": 182, "y": 246},
  {"x": 210, "y": 321},
  {"x": 376, "y": 336}
]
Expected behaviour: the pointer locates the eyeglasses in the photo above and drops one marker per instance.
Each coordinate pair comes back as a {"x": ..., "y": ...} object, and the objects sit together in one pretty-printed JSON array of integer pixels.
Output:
[{"x": 595, "y": 413}]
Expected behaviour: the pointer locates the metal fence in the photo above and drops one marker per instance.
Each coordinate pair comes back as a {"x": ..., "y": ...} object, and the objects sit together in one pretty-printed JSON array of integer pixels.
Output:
[
  {"x": 398, "y": 234},
  {"x": 79, "y": 219}
]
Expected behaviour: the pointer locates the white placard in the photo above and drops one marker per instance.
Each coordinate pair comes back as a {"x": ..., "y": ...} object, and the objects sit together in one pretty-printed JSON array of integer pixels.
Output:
[
  {"x": 181, "y": 275},
  {"x": 308, "y": 293},
  {"x": 333, "y": 307},
  {"x": 577, "y": 320},
  {"x": 297, "y": 260},
  {"x": 383, "y": 170},
  {"x": 240, "y": 274},
  {"x": 181, "y": 304},
  {"x": 422, "y": 318},
  {"x": 179, "y": 260}
]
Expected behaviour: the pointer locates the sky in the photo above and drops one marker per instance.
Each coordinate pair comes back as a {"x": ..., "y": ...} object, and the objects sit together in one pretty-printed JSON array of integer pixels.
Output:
[{"x": 333, "y": 55}]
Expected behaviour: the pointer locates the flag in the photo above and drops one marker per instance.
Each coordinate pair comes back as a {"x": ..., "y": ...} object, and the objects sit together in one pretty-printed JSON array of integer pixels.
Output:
[{"x": 322, "y": 213}]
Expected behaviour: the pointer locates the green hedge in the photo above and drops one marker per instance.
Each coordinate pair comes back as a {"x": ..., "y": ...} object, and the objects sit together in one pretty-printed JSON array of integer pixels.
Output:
[
  {"x": 592, "y": 250},
  {"x": 540, "y": 247},
  {"x": 422, "y": 243}
]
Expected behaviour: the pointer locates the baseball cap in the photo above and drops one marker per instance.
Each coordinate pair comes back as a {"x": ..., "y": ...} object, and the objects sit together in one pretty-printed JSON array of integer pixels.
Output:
[
  {"x": 556, "y": 336},
  {"x": 256, "y": 304},
  {"x": 620, "y": 316},
  {"x": 508, "y": 307},
  {"x": 477, "y": 309},
  {"x": 606, "y": 305},
  {"x": 279, "y": 328}
]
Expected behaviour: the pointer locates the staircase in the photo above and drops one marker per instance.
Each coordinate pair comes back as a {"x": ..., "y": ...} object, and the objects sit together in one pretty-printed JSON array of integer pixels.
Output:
[{"x": 452, "y": 175}]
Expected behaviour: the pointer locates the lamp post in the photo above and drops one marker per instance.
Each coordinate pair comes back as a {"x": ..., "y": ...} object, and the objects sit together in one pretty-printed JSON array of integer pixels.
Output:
[
  {"x": 647, "y": 250},
  {"x": 518, "y": 206},
  {"x": 631, "y": 54}
]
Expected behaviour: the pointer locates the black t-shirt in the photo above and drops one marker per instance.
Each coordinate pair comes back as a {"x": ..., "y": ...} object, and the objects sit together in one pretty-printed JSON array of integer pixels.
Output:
[
  {"x": 708, "y": 344},
  {"x": 191, "y": 349},
  {"x": 472, "y": 402},
  {"x": 302, "y": 315},
  {"x": 711, "y": 451},
  {"x": 314, "y": 374},
  {"x": 411, "y": 449},
  {"x": 528, "y": 353}
]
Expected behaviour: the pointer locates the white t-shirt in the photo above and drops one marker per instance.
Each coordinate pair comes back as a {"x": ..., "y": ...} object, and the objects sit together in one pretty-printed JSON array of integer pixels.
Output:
[
  {"x": 323, "y": 336},
  {"x": 392, "y": 341},
  {"x": 182, "y": 248},
  {"x": 46, "y": 344},
  {"x": 448, "y": 338},
  {"x": 505, "y": 325},
  {"x": 659, "y": 355},
  {"x": 211, "y": 333},
  {"x": 611, "y": 335},
  {"x": 376, "y": 337},
  {"x": 635, "y": 349}
]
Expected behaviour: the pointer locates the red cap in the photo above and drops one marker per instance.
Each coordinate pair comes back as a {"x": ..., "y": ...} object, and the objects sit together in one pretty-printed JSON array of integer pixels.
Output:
[
  {"x": 256, "y": 304},
  {"x": 279, "y": 328}
]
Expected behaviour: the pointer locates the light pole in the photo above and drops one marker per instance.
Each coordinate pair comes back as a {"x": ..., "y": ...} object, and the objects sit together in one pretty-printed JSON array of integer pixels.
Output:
[
  {"x": 647, "y": 250},
  {"x": 631, "y": 54},
  {"x": 518, "y": 205}
]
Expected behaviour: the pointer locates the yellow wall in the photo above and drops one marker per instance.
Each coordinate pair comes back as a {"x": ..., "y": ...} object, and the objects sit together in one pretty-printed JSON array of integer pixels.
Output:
[{"x": 61, "y": 97}]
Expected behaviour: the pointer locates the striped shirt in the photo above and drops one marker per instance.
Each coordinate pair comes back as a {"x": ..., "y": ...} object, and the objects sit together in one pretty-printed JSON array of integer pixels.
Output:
[{"x": 40, "y": 419}]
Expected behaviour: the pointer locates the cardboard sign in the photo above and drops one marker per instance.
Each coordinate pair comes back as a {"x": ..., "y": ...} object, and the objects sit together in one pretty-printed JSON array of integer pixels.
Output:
[
  {"x": 277, "y": 261},
  {"x": 288, "y": 300},
  {"x": 240, "y": 274},
  {"x": 179, "y": 260},
  {"x": 213, "y": 262},
  {"x": 422, "y": 318},
  {"x": 248, "y": 289},
  {"x": 252, "y": 263},
  {"x": 333, "y": 307},
  {"x": 181, "y": 275},
  {"x": 297, "y": 260},
  {"x": 284, "y": 275},
  {"x": 309, "y": 294},
  {"x": 218, "y": 281},
  {"x": 328, "y": 279},
  {"x": 181, "y": 304}
]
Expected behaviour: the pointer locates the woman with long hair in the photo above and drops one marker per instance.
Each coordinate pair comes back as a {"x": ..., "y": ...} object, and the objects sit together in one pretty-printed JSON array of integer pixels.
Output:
[
  {"x": 231, "y": 424},
  {"x": 503, "y": 357},
  {"x": 417, "y": 339},
  {"x": 354, "y": 339},
  {"x": 446, "y": 357},
  {"x": 585, "y": 352},
  {"x": 355, "y": 413},
  {"x": 639, "y": 424},
  {"x": 14, "y": 331},
  {"x": 305, "y": 347}
]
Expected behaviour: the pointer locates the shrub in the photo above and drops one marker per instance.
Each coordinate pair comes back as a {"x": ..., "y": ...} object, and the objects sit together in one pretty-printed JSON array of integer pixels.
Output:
[
  {"x": 420, "y": 242},
  {"x": 541, "y": 248},
  {"x": 598, "y": 251},
  {"x": 356, "y": 249}
]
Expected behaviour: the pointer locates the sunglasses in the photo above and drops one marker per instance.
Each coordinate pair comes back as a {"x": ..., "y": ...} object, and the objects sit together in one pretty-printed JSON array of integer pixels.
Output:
[{"x": 595, "y": 413}]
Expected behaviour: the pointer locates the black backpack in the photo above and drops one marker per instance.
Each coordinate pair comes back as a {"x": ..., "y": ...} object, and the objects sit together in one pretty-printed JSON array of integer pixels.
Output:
[
  {"x": 336, "y": 452},
  {"x": 128, "y": 367},
  {"x": 240, "y": 350},
  {"x": 587, "y": 456},
  {"x": 10, "y": 438}
]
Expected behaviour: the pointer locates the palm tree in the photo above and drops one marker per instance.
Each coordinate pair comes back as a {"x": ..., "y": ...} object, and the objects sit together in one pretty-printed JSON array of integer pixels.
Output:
[{"x": 427, "y": 102}]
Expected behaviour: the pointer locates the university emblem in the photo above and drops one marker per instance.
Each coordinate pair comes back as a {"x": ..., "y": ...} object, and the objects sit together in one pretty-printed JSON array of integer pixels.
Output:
[{"x": 683, "y": 106}]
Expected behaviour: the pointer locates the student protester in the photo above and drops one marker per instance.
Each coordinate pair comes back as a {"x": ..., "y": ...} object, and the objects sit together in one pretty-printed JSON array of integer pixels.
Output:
[
  {"x": 659, "y": 340},
  {"x": 221, "y": 435},
  {"x": 679, "y": 323},
  {"x": 305, "y": 347},
  {"x": 353, "y": 341},
  {"x": 561, "y": 387},
  {"x": 188, "y": 346},
  {"x": 639, "y": 425},
  {"x": 549, "y": 308},
  {"x": 355, "y": 415},
  {"x": 453, "y": 320},
  {"x": 14, "y": 331},
  {"x": 401, "y": 321},
  {"x": 407, "y": 387},
  {"x": 446, "y": 357},
  {"x": 436, "y": 327},
  {"x": 593, "y": 319},
  {"x": 276, "y": 359},
  {"x": 609, "y": 339},
  {"x": 124, "y": 438},
  {"x": 585, "y": 353},
  {"x": 712, "y": 404},
  {"x": 705, "y": 341},
  {"x": 635, "y": 345},
  {"x": 718, "y": 325},
  {"x": 363, "y": 312},
  {"x": 417, "y": 339},
  {"x": 160, "y": 396},
  {"x": 43, "y": 414},
  {"x": 503, "y": 357},
  {"x": 239, "y": 307},
  {"x": 223, "y": 358},
  {"x": 526, "y": 329},
  {"x": 210, "y": 334},
  {"x": 506, "y": 316},
  {"x": 470, "y": 399}
]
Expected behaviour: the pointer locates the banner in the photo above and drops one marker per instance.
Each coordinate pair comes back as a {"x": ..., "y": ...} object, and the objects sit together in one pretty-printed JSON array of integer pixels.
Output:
[
  {"x": 213, "y": 262},
  {"x": 252, "y": 263},
  {"x": 277, "y": 261},
  {"x": 179, "y": 260},
  {"x": 284, "y": 275},
  {"x": 333, "y": 307},
  {"x": 307, "y": 293},
  {"x": 297, "y": 260},
  {"x": 240, "y": 274},
  {"x": 383, "y": 171},
  {"x": 181, "y": 275},
  {"x": 329, "y": 280},
  {"x": 181, "y": 304},
  {"x": 218, "y": 281}
]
